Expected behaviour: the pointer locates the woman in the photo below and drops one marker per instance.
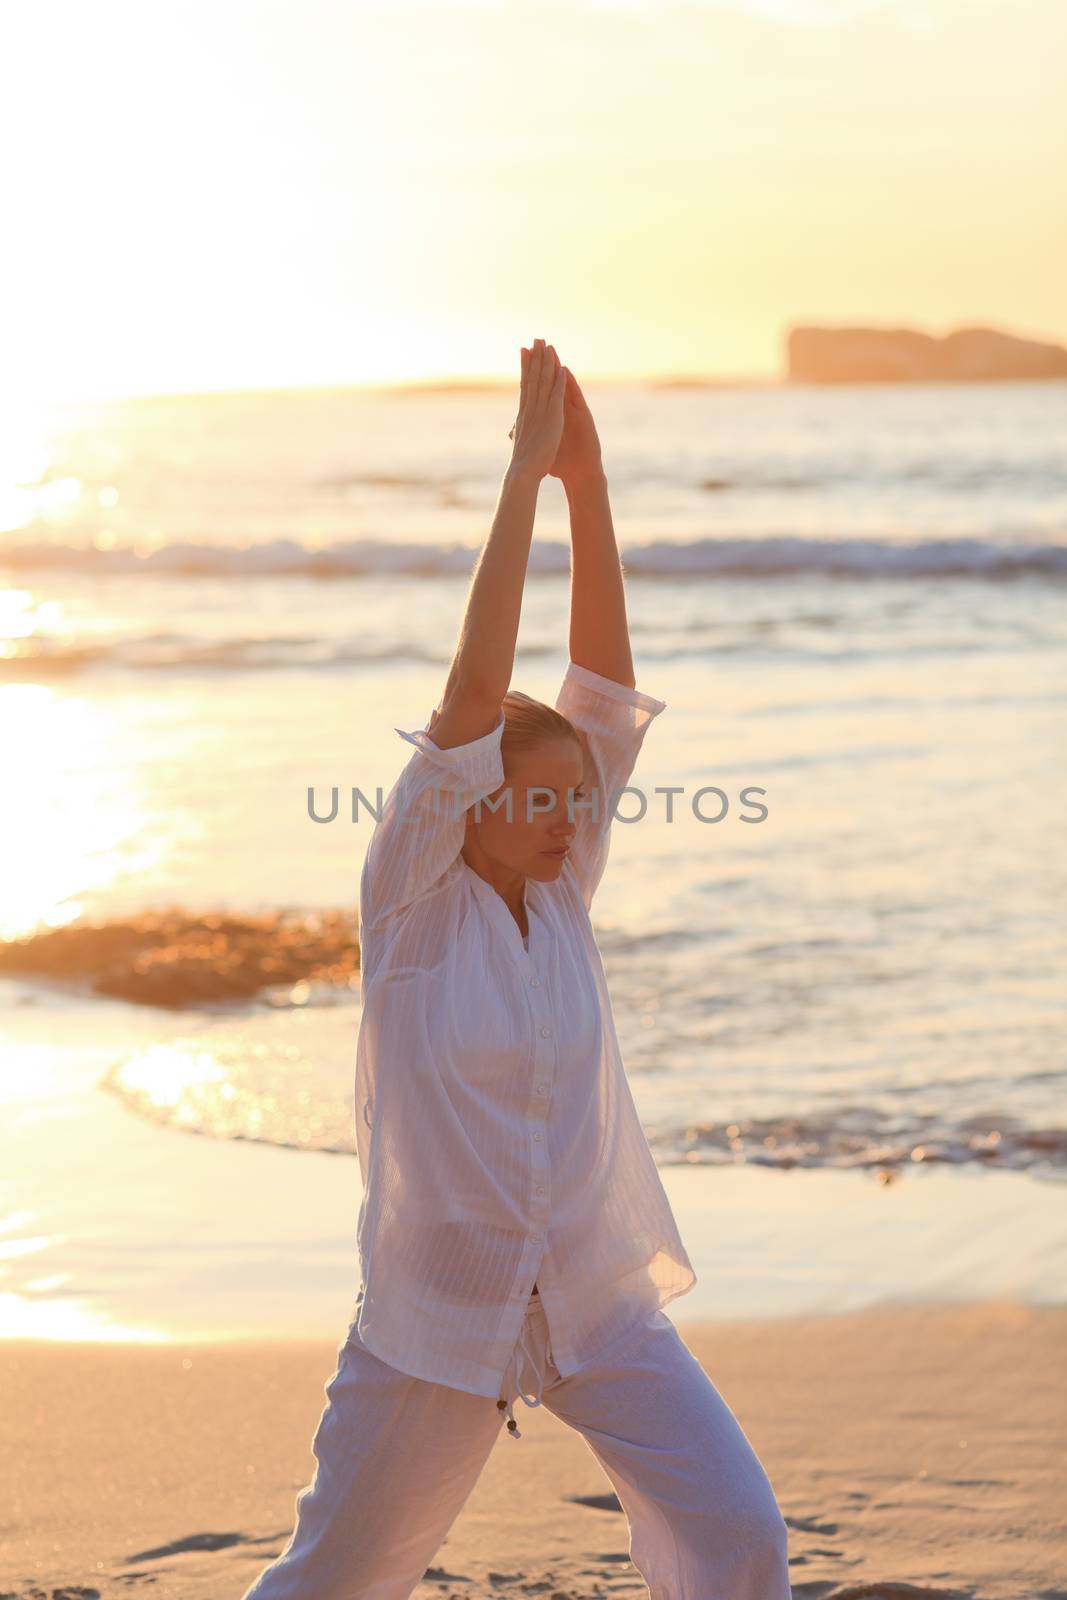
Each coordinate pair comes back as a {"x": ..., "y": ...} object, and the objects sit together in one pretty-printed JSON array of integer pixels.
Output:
[{"x": 514, "y": 1235}]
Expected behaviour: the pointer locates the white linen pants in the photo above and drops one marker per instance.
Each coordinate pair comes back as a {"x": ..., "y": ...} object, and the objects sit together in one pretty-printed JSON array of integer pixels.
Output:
[{"x": 397, "y": 1457}]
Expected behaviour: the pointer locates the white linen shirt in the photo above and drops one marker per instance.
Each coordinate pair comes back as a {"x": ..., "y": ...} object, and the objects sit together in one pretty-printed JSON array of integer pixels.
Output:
[{"x": 496, "y": 1131}]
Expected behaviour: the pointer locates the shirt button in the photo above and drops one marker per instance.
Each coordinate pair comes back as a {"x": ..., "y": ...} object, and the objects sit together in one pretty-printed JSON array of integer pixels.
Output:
[
  {"x": 537, "y": 1136},
  {"x": 539, "y": 1190},
  {"x": 542, "y": 1088},
  {"x": 545, "y": 1032},
  {"x": 535, "y": 983}
]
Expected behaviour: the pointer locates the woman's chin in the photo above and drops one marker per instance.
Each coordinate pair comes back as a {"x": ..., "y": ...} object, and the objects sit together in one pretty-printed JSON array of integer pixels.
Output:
[{"x": 548, "y": 864}]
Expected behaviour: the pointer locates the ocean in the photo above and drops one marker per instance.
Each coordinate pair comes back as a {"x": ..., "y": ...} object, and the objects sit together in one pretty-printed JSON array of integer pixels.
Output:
[{"x": 216, "y": 610}]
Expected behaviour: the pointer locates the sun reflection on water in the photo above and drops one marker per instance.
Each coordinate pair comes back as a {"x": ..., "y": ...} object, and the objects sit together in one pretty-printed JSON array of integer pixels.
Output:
[
  {"x": 26, "y": 1317},
  {"x": 21, "y": 618},
  {"x": 34, "y": 1311},
  {"x": 162, "y": 1076},
  {"x": 70, "y": 808}
]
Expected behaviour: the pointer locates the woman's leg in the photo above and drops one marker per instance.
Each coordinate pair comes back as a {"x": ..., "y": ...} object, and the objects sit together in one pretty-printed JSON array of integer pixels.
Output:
[
  {"x": 396, "y": 1458},
  {"x": 704, "y": 1521}
]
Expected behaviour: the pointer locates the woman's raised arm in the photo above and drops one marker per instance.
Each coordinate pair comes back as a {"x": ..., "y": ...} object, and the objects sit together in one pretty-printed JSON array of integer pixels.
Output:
[
  {"x": 598, "y": 692},
  {"x": 599, "y": 633},
  {"x": 481, "y": 670},
  {"x": 456, "y": 760}
]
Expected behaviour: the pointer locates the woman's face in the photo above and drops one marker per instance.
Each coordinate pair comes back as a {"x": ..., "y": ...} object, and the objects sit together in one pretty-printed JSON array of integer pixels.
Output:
[{"x": 540, "y": 824}]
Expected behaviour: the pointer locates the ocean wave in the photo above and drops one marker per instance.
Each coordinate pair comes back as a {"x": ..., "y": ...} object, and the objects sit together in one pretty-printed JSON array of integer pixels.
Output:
[
  {"x": 229, "y": 1088},
  {"x": 741, "y": 557},
  {"x": 42, "y": 657},
  {"x": 864, "y": 1136}
]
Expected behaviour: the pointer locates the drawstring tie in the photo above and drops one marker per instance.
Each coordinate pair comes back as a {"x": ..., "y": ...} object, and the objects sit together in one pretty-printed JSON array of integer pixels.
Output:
[{"x": 512, "y": 1382}]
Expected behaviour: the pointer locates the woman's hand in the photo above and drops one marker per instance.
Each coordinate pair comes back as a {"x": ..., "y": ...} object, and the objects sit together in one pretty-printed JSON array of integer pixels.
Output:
[
  {"x": 578, "y": 458},
  {"x": 538, "y": 427}
]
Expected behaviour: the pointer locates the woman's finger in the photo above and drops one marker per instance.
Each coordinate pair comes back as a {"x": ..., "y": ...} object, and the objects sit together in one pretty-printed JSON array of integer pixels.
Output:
[
  {"x": 535, "y": 375},
  {"x": 552, "y": 375},
  {"x": 559, "y": 393},
  {"x": 543, "y": 362},
  {"x": 548, "y": 376},
  {"x": 525, "y": 380}
]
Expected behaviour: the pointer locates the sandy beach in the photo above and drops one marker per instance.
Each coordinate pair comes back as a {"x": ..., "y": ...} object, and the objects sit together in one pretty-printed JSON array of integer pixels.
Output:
[{"x": 912, "y": 1448}]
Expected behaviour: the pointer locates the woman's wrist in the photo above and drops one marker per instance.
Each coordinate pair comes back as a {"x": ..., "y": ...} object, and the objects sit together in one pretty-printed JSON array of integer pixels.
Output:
[
  {"x": 523, "y": 474},
  {"x": 592, "y": 481}
]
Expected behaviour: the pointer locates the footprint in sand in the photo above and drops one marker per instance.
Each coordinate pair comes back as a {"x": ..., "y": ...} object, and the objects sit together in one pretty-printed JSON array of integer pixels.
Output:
[{"x": 599, "y": 1502}]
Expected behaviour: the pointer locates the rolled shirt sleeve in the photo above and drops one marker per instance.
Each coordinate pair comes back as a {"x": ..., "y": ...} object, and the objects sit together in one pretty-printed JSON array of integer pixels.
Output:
[
  {"x": 613, "y": 720},
  {"x": 422, "y": 825}
]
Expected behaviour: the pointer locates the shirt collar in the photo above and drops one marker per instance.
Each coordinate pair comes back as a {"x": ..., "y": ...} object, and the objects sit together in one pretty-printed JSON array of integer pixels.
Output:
[{"x": 499, "y": 913}]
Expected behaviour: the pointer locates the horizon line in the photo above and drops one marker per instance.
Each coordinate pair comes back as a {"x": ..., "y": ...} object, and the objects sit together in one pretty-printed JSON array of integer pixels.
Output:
[{"x": 415, "y": 385}]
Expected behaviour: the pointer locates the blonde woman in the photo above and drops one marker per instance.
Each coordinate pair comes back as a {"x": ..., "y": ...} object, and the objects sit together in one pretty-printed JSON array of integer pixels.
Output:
[{"x": 515, "y": 1238}]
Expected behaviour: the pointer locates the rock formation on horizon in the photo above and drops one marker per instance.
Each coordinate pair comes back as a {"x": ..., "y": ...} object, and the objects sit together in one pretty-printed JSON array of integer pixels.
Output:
[{"x": 904, "y": 355}]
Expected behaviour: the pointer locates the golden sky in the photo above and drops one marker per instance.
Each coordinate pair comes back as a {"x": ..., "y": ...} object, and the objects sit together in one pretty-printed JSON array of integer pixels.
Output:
[{"x": 226, "y": 193}]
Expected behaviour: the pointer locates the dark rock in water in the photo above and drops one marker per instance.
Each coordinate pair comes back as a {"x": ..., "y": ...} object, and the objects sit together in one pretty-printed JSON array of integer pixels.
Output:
[
  {"x": 904, "y": 355},
  {"x": 177, "y": 958}
]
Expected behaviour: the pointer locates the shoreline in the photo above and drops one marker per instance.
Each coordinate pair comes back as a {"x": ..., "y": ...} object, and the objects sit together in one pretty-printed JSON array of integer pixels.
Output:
[
  {"x": 764, "y": 1243},
  {"x": 250, "y": 1239},
  {"x": 253, "y": 1240},
  {"x": 890, "y": 1435}
]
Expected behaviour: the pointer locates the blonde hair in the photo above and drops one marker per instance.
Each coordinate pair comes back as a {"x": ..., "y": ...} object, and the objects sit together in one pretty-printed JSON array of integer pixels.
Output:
[{"x": 529, "y": 723}]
